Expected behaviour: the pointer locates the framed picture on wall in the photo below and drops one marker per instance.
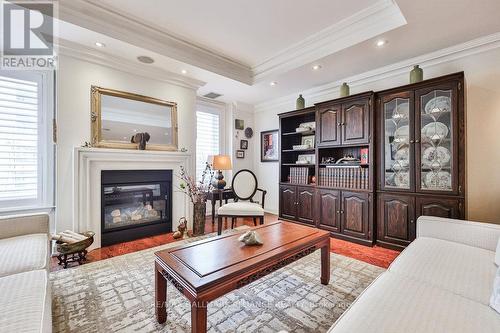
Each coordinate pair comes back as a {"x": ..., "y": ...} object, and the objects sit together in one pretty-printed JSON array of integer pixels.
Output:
[
  {"x": 243, "y": 144},
  {"x": 240, "y": 154},
  {"x": 239, "y": 124},
  {"x": 269, "y": 146}
]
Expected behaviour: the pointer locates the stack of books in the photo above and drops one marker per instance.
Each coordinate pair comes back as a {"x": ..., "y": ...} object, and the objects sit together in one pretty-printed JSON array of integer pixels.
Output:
[
  {"x": 299, "y": 175},
  {"x": 353, "y": 177}
]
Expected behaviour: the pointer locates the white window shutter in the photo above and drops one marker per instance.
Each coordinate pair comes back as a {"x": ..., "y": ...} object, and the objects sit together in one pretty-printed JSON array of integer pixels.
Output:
[
  {"x": 19, "y": 141},
  {"x": 207, "y": 139}
]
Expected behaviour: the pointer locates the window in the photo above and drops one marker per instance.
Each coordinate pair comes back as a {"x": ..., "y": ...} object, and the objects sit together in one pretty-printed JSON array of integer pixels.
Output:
[
  {"x": 207, "y": 139},
  {"x": 26, "y": 150}
]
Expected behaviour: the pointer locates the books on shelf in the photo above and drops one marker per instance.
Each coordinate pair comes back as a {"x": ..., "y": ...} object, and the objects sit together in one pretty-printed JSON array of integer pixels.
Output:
[
  {"x": 353, "y": 177},
  {"x": 299, "y": 175}
]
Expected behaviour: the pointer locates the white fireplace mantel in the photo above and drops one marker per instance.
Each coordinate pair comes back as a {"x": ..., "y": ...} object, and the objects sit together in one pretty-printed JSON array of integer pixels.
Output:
[{"x": 87, "y": 166}]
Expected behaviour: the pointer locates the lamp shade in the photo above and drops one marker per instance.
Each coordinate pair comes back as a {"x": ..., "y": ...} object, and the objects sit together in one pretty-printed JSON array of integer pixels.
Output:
[{"x": 222, "y": 162}]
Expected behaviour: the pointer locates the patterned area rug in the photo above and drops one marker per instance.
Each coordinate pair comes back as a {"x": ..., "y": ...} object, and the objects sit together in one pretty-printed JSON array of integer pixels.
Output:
[{"x": 117, "y": 295}]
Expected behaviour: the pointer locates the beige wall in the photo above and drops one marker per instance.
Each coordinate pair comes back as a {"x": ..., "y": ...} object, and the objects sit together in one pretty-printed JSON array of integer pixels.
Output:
[
  {"x": 482, "y": 74},
  {"x": 74, "y": 79}
]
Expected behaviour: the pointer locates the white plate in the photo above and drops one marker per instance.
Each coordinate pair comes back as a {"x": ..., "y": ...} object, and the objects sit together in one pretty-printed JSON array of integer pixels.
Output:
[
  {"x": 438, "y": 180},
  {"x": 435, "y": 131},
  {"x": 436, "y": 157},
  {"x": 402, "y": 154},
  {"x": 400, "y": 165},
  {"x": 401, "y": 111},
  {"x": 438, "y": 104},
  {"x": 402, "y": 134},
  {"x": 402, "y": 179}
]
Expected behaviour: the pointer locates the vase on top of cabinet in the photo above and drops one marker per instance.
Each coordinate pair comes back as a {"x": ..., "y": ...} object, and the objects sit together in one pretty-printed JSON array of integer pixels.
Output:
[{"x": 420, "y": 142}]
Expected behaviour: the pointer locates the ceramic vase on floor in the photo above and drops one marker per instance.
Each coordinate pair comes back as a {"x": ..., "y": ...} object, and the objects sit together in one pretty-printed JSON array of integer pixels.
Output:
[{"x": 199, "y": 216}]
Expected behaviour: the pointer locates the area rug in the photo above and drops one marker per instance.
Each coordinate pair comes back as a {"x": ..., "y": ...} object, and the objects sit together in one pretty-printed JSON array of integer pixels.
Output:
[{"x": 117, "y": 295}]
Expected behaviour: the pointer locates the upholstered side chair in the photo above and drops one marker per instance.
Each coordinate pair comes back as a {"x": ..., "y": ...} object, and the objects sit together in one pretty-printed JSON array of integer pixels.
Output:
[{"x": 244, "y": 186}]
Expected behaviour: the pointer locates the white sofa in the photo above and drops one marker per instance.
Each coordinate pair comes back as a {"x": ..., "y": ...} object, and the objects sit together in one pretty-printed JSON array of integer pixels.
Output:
[
  {"x": 441, "y": 282},
  {"x": 25, "y": 298}
]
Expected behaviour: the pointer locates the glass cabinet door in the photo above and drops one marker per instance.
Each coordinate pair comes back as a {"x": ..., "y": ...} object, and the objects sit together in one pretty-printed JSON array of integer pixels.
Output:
[
  {"x": 435, "y": 134},
  {"x": 397, "y": 155}
]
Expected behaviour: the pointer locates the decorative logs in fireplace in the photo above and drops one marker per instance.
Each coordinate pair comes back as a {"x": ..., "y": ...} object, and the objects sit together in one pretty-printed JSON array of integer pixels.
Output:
[{"x": 135, "y": 204}]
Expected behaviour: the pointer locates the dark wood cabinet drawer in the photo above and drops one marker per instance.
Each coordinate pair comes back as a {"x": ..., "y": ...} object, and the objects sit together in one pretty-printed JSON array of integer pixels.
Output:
[
  {"x": 288, "y": 201},
  {"x": 328, "y": 209},
  {"x": 355, "y": 214},
  {"x": 305, "y": 204},
  {"x": 396, "y": 219}
]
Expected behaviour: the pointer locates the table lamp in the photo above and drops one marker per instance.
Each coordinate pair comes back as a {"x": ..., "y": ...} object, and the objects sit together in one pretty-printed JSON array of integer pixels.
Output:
[{"x": 221, "y": 162}]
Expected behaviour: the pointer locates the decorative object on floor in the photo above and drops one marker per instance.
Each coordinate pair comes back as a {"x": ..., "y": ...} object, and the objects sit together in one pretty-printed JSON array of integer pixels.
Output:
[
  {"x": 308, "y": 140},
  {"x": 344, "y": 90},
  {"x": 69, "y": 243},
  {"x": 124, "y": 283},
  {"x": 251, "y": 238},
  {"x": 416, "y": 74},
  {"x": 243, "y": 144},
  {"x": 239, "y": 124},
  {"x": 269, "y": 146},
  {"x": 240, "y": 154},
  {"x": 116, "y": 116},
  {"x": 300, "y": 103},
  {"x": 197, "y": 193},
  {"x": 220, "y": 162},
  {"x": 244, "y": 186},
  {"x": 248, "y": 132},
  {"x": 181, "y": 229},
  {"x": 140, "y": 139}
]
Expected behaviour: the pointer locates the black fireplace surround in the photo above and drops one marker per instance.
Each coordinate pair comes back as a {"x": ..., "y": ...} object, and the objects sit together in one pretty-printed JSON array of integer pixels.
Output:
[{"x": 135, "y": 204}]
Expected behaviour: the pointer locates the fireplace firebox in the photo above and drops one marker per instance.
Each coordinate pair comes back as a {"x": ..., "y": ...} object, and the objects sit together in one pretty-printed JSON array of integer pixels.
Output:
[{"x": 135, "y": 204}]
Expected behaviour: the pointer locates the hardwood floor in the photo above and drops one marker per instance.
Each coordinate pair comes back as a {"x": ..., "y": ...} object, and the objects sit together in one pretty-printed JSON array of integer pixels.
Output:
[{"x": 374, "y": 255}]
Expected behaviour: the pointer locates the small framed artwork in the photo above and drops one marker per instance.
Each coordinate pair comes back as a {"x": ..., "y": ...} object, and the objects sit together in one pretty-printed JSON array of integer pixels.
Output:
[
  {"x": 244, "y": 144},
  {"x": 308, "y": 140},
  {"x": 269, "y": 146},
  {"x": 239, "y": 124},
  {"x": 240, "y": 154}
]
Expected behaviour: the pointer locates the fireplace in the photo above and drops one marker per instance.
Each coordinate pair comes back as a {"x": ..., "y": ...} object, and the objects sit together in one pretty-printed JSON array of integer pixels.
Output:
[{"x": 135, "y": 204}]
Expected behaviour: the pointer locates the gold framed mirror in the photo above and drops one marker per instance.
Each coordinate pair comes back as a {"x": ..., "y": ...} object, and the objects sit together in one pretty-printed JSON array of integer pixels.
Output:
[{"x": 117, "y": 116}]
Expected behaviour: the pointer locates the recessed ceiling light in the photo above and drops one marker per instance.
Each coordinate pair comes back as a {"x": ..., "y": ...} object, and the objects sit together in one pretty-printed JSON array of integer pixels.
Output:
[
  {"x": 273, "y": 83},
  {"x": 316, "y": 67},
  {"x": 145, "y": 59},
  {"x": 99, "y": 44},
  {"x": 184, "y": 71},
  {"x": 381, "y": 42}
]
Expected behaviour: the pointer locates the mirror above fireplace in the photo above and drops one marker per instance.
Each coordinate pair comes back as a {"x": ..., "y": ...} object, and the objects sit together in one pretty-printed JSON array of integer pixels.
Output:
[{"x": 117, "y": 116}]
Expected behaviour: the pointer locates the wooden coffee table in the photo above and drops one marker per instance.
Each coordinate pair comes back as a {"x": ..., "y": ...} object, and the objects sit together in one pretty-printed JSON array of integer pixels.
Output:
[{"x": 205, "y": 270}]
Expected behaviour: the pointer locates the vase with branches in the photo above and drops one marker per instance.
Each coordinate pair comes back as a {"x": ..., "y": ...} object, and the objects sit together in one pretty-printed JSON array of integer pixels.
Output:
[{"x": 197, "y": 191}]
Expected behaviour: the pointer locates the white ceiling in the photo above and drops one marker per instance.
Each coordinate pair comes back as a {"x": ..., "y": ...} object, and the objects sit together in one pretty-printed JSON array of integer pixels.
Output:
[
  {"x": 235, "y": 37},
  {"x": 248, "y": 32}
]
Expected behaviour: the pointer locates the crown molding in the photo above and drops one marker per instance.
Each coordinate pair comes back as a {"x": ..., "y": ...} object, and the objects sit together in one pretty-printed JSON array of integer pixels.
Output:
[
  {"x": 81, "y": 52},
  {"x": 330, "y": 90},
  {"x": 372, "y": 21},
  {"x": 92, "y": 15}
]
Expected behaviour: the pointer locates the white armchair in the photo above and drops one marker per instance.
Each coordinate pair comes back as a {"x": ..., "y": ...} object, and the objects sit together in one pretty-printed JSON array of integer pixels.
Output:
[{"x": 244, "y": 186}]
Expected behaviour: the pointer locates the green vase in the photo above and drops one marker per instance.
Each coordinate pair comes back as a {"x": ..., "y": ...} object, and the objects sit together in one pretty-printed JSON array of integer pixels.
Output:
[
  {"x": 301, "y": 103},
  {"x": 416, "y": 74},
  {"x": 344, "y": 90}
]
